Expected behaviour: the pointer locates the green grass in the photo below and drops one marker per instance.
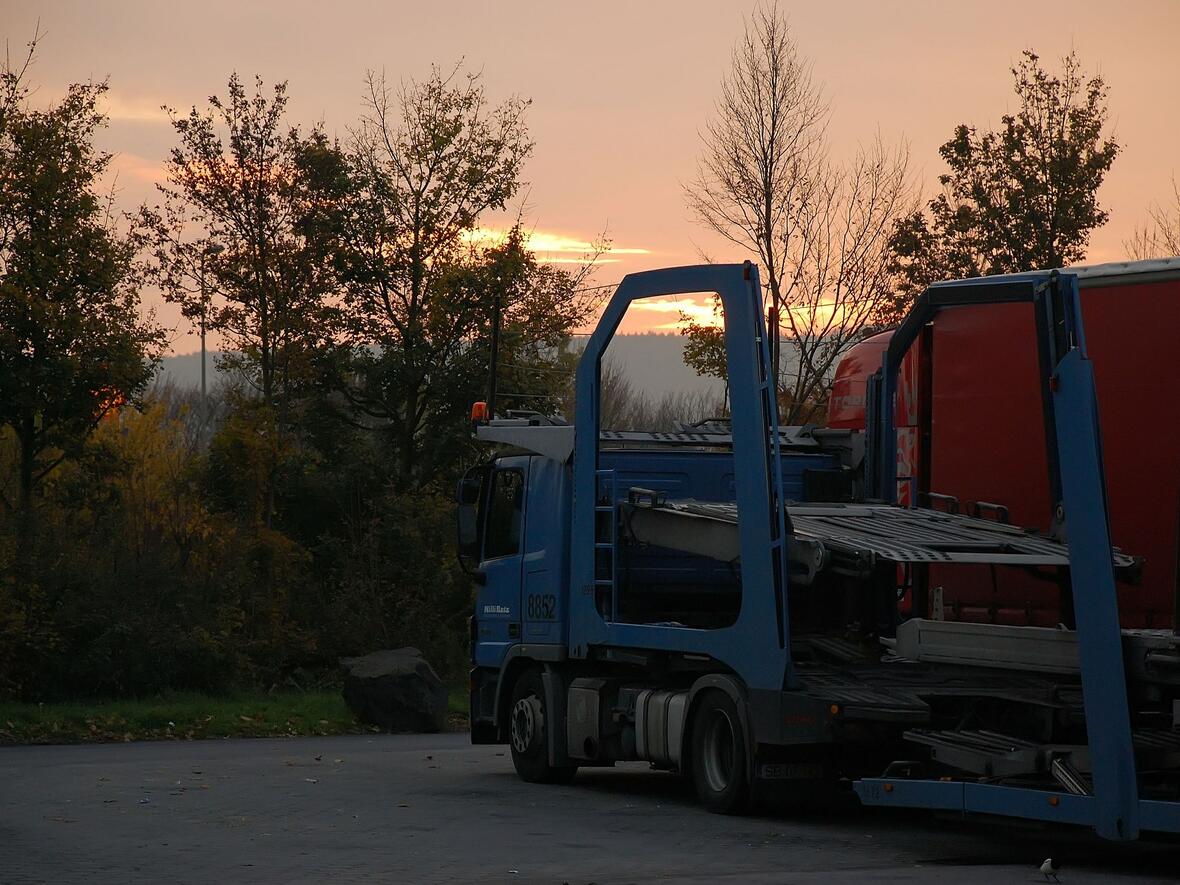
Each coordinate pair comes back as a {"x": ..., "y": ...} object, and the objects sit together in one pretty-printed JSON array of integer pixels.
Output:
[
  {"x": 190, "y": 717},
  {"x": 458, "y": 700}
]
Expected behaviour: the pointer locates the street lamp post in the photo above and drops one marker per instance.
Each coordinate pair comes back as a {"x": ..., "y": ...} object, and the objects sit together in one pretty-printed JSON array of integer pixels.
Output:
[{"x": 212, "y": 249}]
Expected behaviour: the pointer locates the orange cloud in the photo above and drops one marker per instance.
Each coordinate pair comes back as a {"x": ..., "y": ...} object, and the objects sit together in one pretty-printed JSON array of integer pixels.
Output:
[
  {"x": 121, "y": 108},
  {"x": 699, "y": 311}
]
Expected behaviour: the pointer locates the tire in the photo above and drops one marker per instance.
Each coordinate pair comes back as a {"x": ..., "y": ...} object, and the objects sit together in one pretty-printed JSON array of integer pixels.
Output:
[
  {"x": 719, "y": 754},
  {"x": 528, "y": 735}
]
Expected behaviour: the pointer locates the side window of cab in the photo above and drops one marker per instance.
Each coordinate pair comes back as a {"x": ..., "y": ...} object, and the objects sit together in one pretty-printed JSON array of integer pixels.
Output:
[{"x": 504, "y": 505}]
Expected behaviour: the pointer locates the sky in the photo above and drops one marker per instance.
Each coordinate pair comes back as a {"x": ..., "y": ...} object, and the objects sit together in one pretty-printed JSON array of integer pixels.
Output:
[{"x": 620, "y": 91}]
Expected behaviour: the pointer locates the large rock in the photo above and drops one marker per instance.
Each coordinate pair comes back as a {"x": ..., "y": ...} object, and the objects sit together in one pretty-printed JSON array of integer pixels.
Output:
[{"x": 396, "y": 690}]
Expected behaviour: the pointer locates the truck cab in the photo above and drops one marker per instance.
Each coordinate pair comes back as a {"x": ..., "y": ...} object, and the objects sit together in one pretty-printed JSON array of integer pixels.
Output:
[{"x": 515, "y": 542}]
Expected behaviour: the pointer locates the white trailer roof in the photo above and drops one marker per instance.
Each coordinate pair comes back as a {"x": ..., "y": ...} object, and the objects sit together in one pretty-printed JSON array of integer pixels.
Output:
[{"x": 1115, "y": 272}]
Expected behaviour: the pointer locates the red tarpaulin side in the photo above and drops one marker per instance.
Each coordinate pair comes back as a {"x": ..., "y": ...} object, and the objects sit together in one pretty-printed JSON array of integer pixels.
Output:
[{"x": 988, "y": 439}]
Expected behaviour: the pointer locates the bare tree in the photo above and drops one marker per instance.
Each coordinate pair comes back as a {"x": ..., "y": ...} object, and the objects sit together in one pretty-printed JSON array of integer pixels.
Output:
[
  {"x": 1160, "y": 236},
  {"x": 762, "y": 149},
  {"x": 624, "y": 407},
  {"x": 820, "y": 228},
  {"x": 838, "y": 267}
]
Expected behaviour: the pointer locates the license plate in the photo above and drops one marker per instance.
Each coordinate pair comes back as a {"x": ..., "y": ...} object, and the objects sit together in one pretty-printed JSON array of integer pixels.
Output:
[{"x": 782, "y": 771}]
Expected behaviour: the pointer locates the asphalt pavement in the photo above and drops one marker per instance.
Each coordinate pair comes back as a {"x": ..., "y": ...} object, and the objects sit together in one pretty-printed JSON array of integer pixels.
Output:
[{"x": 398, "y": 809}]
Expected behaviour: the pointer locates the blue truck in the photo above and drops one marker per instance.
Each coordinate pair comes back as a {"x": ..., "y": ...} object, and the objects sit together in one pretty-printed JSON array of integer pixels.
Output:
[{"x": 725, "y": 601}]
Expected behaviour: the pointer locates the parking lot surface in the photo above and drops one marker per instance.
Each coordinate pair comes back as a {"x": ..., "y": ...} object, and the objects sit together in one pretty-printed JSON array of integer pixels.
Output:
[{"x": 386, "y": 808}]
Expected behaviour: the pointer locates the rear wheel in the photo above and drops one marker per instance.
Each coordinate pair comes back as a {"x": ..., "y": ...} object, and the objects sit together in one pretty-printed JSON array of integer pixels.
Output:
[
  {"x": 528, "y": 734},
  {"x": 719, "y": 769}
]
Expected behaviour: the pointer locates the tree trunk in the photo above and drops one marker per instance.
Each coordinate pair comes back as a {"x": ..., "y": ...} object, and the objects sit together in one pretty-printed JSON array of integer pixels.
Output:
[
  {"x": 406, "y": 457},
  {"x": 27, "y": 436}
]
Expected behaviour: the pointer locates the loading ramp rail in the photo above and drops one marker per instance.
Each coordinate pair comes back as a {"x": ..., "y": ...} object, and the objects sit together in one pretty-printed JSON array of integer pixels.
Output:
[{"x": 854, "y": 535}]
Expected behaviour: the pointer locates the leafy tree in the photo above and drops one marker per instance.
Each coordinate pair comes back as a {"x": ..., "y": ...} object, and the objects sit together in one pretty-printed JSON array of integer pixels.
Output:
[
  {"x": 265, "y": 201},
  {"x": 391, "y": 583},
  {"x": 539, "y": 305},
  {"x": 704, "y": 345},
  {"x": 428, "y": 159},
  {"x": 73, "y": 344},
  {"x": 1024, "y": 197},
  {"x": 143, "y": 578}
]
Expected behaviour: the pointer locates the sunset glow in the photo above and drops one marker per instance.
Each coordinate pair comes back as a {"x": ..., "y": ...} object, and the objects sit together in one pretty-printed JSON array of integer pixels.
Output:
[
  {"x": 141, "y": 169},
  {"x": 616, "y": 117},
  {"x": 664, "y": 314},
  {"x": 667, "y": 311},
  {"x": 555, "y": 248}
]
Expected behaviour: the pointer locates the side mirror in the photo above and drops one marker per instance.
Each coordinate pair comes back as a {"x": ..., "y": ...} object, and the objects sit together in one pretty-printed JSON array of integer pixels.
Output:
[
  {"x": 470, "y": 486},
  {"x": 467, "y": 496},
  {"x": 468, "y": 530}
]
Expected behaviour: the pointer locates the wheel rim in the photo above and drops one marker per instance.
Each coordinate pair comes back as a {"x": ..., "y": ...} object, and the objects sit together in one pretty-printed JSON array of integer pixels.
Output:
[
  {"x": 526, "y": 722},
  {"x": 719, "y": 745}
]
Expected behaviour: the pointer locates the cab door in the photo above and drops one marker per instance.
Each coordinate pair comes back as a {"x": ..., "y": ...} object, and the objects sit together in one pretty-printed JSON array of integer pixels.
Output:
[{"x": 498, "y": 602}]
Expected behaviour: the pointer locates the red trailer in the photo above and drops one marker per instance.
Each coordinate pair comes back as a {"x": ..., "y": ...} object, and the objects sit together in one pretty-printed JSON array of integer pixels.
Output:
[{"x": 970, "y": 426}]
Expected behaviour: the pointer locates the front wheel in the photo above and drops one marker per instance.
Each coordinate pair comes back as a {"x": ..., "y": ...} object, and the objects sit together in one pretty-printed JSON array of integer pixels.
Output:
[
  {"x": 719, "y": 769},
  {"x": 528, "y": 734}
]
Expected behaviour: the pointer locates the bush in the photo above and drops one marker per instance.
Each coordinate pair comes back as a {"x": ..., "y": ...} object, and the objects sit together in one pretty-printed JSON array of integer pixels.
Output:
[{"x": 155, "y": 567}]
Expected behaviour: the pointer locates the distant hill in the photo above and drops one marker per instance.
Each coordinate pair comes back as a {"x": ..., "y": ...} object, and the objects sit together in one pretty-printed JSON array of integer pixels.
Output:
[
  {"x": 655, "y": 365},
  {"x": 184, "y": 370},
  {"x": 653, "y": 362}
]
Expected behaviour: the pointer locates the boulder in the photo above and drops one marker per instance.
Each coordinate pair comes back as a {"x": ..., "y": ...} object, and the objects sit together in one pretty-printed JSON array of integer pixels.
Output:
[{"x": 396, "y": 690}]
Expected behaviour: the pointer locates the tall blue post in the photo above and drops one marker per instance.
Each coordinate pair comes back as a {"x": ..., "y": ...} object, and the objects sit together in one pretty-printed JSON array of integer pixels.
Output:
[{"x": 1100, "y": 650}]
